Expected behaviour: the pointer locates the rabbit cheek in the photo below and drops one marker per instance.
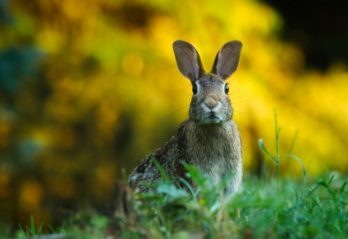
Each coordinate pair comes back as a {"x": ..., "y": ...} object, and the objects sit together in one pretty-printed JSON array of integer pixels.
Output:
[
  {"x": 228, "y": 110},
  {"x": 193, "y": 111}
]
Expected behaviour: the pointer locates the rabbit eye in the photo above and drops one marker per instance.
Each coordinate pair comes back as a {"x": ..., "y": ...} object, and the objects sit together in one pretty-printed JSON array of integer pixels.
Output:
[
  {"x": 194, "y": 89},
  {"x": 227, "y": 88}
]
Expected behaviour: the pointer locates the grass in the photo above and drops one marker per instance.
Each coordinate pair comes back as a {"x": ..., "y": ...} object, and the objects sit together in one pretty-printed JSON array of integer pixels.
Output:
[
  {"x": 268, "y": 208},
  {"x": 272, "y": 207}
]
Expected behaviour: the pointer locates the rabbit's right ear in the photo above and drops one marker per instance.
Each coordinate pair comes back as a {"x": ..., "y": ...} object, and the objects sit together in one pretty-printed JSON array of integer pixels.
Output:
[
  {"x": 227, "y": 59},
  {"x": 188, "y": 60}
]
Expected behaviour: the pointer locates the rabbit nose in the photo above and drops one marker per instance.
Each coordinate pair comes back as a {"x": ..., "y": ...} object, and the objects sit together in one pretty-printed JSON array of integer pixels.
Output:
[{"x": 211, "y": 101}]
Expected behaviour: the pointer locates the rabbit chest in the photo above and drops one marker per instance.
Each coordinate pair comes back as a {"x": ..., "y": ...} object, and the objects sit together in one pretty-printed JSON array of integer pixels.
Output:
[{"x": 215, "y": 150}]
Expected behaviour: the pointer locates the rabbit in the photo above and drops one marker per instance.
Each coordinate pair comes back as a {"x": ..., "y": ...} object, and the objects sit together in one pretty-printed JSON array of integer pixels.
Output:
[{"x": 209, "y": 139}]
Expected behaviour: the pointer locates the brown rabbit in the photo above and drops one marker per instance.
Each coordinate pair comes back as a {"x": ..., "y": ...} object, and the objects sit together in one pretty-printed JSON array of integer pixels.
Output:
[{"x": 209, "y": 139}]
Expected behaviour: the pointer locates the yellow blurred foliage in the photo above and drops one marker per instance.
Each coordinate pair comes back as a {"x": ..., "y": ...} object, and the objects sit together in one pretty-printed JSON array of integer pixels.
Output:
[
  {"x": 30, "y": 196},
  {"x": 113, "y": 93},
  {"x": 268, "y": 76},
  {"x": 62, "y": 187}
]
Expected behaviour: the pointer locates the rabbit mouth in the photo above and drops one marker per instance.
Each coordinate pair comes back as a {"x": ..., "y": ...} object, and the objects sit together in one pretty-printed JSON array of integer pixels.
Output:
[{"x": 212, "y": 118}]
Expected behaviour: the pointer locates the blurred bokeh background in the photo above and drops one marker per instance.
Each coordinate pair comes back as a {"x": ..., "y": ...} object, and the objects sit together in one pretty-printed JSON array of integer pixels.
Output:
[{"x": 88, "y": 88}]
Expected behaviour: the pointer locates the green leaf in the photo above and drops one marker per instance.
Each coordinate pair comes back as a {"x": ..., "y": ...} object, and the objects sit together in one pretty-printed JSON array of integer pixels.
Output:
[
  {"x": 265, "y": 151},
  {"x": 172, "y": 191}
]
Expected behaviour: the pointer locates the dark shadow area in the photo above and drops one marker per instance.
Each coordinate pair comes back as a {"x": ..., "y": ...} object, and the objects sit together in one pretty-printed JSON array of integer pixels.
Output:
[{"x": 318, "y": 27}]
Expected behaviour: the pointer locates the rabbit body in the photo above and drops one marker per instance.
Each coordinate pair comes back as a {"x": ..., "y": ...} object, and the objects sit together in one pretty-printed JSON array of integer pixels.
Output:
[{"x": 209, "y": 139}]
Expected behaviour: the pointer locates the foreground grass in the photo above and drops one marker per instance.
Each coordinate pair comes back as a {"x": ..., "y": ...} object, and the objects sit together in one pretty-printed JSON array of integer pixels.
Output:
[{"x": 273, "y": 208}]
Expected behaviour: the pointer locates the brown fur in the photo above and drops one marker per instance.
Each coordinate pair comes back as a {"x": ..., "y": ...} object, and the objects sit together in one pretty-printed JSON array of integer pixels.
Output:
[{"x": 209, "y": 139}]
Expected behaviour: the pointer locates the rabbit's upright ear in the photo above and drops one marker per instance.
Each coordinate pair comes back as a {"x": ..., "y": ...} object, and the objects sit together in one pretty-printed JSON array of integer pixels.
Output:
[
  {"x": 188, "y": 60},
  {"x": 227, "y": 59}
]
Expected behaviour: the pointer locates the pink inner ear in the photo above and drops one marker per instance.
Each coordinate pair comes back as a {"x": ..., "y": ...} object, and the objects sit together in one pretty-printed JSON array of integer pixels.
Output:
[
  {"x": 221, "y": 65},
  {"x": 189, "y": 62},
  {"x": 227, "y": 59},
  {"x": 195, "y": 66},
  {"x": 224, "y": 74},
  {"x": 227, "y": 63}
]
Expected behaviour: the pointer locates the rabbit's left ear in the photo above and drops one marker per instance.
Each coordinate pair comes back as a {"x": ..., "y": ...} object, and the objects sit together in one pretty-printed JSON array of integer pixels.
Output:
[
  {"x": 188, "y": 60},
  {"x": 227, "y": 59}
]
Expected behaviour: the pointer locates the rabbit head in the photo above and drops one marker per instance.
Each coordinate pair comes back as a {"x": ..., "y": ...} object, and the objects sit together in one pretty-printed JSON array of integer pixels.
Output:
[{"x": 210, "y": 102}]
